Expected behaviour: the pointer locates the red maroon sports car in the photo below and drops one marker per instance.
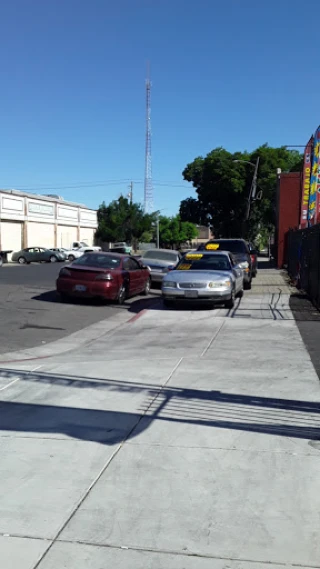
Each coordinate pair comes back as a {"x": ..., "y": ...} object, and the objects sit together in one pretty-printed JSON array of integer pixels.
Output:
[{"x": 108, "y": 276}]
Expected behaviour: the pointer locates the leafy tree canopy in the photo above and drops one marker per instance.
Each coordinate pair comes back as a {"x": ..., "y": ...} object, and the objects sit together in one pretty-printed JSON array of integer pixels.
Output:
[
  {"x": 122, "y": 220},
  {"x": 223, "y": 185}
]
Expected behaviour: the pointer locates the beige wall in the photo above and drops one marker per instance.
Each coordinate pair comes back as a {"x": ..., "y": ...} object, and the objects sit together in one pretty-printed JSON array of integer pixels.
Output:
[
  {"x": 66, "y": 235},
  {"x": 11, "y": 236},
  {"x": 40, "y": 235},
  {"x": 87, "y": 235}
]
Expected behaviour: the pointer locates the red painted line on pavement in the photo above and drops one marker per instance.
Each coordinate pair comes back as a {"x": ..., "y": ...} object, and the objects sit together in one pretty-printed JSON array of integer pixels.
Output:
[{"x": 137, "y": 316}]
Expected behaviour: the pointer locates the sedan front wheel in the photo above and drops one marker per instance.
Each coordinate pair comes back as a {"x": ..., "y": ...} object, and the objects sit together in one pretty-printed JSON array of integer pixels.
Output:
[
  {"x": 147, "y": 287},
  {"x": 230, "y": 303},
  {"x": 22, "y": 261}
]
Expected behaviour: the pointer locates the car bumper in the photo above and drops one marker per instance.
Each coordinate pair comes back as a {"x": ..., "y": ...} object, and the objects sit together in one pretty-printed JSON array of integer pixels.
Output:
[
  {"x": 105, "y": 290},
  {"x": 157, "y": 276},
  {"x": 202, "y": 296}
]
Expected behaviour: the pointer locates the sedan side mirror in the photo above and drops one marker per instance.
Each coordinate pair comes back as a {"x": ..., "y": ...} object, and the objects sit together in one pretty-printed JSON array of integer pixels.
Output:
[{"x": 145, "y": 267}]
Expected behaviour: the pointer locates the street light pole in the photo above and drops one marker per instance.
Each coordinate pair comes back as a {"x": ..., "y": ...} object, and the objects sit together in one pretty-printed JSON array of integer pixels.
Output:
[
  {"x": 158, "y": 232},
  {"x": 253, "y": 189}
]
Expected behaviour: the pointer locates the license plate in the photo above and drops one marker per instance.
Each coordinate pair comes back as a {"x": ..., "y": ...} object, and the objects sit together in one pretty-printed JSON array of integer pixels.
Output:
[
  {"x": 80, "y": 288},
  {"x": 191, "y": 294}
]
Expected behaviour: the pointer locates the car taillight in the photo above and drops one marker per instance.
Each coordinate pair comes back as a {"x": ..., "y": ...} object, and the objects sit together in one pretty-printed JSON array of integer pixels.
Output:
[
  {"x": 252, "y": 258},
  {"x": 104, "y": 277},
  {"x": 65, "y": 273}
]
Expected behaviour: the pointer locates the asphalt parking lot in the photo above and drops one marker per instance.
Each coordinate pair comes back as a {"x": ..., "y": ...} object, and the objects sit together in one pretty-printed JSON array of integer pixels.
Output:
[{"x": 31, "y": 314}]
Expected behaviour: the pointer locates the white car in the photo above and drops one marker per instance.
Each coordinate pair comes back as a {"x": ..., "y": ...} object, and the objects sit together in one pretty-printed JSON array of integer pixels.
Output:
[{"x": 76, "y": 253}]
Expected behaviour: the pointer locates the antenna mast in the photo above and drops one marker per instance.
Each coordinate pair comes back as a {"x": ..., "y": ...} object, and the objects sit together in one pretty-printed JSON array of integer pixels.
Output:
[{"x": 148, "y": 186}]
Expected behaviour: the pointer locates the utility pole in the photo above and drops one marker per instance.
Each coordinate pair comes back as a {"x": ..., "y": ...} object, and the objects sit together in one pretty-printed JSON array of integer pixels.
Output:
[
  {"x": 253, "y": 189},
  {"x": 158, "y": 232},
  {"x": 148, "y": 185}
]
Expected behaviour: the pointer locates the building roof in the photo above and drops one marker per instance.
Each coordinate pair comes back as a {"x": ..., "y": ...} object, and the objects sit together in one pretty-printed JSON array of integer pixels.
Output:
[{"x": 49, "y": 198}]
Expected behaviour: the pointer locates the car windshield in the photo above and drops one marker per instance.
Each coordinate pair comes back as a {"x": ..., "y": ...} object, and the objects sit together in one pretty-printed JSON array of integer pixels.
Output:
[
  {"x": 161, "y": 256},
  {"x": 228, "y": 245},
  {"x": 99, "y": 261},
  {"x": 199, "y": 262}
]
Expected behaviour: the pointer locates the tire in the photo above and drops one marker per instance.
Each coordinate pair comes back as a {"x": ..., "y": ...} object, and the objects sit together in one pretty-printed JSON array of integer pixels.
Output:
[
  {"x": 71, "y": 258},
  {"x": 247, "y": 286},
  {"x": 22, "y": 261},
  {"x": 168, "y": 303},
  {"x": 230, "y": 303},
  {"x": 147, "y": 287},
  {"x": 122, "y": 294},
  {"x": 240, "y": 293},
  {"x": 53, "y": 259}
]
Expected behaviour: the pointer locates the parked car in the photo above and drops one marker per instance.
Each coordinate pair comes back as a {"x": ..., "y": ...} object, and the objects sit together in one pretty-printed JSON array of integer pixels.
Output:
[
  {"x": 254, "y": 258},
  {"x": 76, "y": 253},
  {"x": 239, "y": 250},
  {"x": 109, "y": 276},
  {"x": 38, "y": 255},
  {"x": 159, "y": 261},
  {"x": 206, "y": 276}
]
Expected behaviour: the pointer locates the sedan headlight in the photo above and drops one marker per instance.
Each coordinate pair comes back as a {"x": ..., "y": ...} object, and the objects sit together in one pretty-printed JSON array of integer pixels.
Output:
[
  {"x": 169, "y": 284},
  {"x": 244, "y": 265},
  {"x": 220, "y": 284}
]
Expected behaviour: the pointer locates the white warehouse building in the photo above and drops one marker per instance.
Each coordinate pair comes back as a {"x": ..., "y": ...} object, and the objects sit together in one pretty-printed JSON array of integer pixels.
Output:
[{"x": 28, "y": 220}]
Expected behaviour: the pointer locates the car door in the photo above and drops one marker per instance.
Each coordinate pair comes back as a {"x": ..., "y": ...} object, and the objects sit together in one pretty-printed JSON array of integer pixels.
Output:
[
  {"x": 134, "y": 271},
  {"x": 43, "y": 255},
  {"x": 31, "y": 254},
  {"x": 237, "y": 273}
]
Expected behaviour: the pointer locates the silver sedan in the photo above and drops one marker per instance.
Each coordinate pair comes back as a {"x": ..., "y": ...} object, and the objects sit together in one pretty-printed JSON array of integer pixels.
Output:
[{"x": 207, "y": 277}]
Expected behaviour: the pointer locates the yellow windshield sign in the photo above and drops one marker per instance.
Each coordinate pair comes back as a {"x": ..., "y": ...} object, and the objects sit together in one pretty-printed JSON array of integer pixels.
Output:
[
  {"x": 193, "y": 256},
  {"x": 212, "y": 246},
  {"x": 184, "y": 267}
]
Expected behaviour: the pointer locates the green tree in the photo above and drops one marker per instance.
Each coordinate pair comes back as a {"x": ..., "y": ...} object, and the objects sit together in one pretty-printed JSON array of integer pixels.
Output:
[
  {"x": 122, "y": 220},
  {"x": 223, "y": 185},
  {"x": 173, "y": 232}
]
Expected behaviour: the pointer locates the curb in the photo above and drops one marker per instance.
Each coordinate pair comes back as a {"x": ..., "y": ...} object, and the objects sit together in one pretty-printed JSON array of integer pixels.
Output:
[{"x": 73, "y": 341}]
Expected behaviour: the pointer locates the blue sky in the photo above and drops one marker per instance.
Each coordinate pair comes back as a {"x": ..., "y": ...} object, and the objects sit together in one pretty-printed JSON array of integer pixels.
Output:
[{"x": 224, "y": 73}]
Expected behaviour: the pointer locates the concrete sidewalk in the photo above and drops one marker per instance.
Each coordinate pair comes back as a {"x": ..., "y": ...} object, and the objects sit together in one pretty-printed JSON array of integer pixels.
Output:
[{"x": 181, "y": 439}]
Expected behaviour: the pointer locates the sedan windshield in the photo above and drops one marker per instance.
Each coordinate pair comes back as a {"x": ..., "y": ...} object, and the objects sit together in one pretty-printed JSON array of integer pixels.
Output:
[
  {"x": 98, "y": 261},
  {"x": 198, "y": 262},
  {"x": 161, "y": 256}
]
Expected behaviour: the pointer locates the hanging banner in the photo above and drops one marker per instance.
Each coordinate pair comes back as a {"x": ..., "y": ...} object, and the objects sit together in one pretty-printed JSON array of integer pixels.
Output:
[
  {"x": 306, "y": 176},
  {"x": 312, "y": 213}
]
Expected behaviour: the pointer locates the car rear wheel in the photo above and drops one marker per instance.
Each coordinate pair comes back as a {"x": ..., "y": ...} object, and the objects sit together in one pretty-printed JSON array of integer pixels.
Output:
[
  {"x": 53, "y": 259},
  {"x": 71, "y": 258},
  {"x": 147, "y": 287},
  {"x": 122, "y": 294},
  {"x": 22, "y": 261},
  {"x": 230, "y": 303}
]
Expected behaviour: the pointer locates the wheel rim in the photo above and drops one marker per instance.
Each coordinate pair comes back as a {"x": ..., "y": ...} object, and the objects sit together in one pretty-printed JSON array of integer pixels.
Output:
[
  {"x": 21, "y": 261},
  {"x": 148, "y": 286},
  {"x": 53, "y": 259},
  {"x": 122, "y": 293}
]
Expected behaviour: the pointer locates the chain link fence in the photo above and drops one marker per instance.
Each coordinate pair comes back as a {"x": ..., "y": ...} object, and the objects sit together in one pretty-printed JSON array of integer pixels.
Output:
[{"x": 304, "y": 260}]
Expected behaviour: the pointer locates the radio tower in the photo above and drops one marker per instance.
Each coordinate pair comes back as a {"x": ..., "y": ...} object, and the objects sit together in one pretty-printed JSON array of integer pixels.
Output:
[{"x": 148, "y": 186}]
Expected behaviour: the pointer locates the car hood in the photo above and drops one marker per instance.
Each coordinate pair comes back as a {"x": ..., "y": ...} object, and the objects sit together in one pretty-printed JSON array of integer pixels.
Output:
[
  {"x": 157, "y": 262},
  {"x": 196, "y": 276}
]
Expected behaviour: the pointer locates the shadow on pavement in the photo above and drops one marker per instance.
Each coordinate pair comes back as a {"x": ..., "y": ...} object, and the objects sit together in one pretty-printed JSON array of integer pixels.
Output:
[
  {"x": 307, "y": 318},
  {"x": 216, "y": 409}
]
